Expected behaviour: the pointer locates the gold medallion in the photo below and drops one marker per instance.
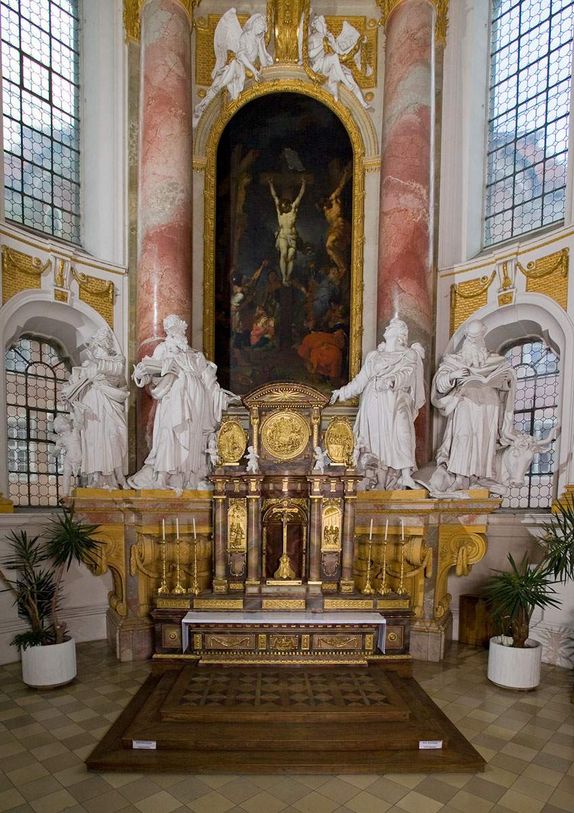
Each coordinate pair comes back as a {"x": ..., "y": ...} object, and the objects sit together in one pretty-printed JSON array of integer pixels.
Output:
[
  {"x": 285, "y": 434},
  {"x": 231, "y": 443},
  {"x": 340, "y": 442}
]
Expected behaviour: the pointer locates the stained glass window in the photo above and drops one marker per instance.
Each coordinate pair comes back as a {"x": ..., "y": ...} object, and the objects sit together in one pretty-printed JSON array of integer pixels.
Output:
[
  {"x": 536, "y": 413},
  {"x": 529, "y": 116},
  {"x": 35, "y": 371},
  {"x": 40, "y": 90}
]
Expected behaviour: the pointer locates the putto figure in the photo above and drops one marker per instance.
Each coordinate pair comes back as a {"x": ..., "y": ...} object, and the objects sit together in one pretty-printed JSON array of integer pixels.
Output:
[
  {"x": 96, "y": 394},
  {"x": 67, "y": 443},
  {"x": 247, "y": 47},
  {"x": 391, "y": 388},
  {"x": 189, "y": 407}
]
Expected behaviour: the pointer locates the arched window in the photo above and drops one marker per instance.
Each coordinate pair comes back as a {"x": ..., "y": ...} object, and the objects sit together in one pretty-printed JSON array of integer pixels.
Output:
[
  {"x": 536, "y": 413},
  {"x": 35, "y": 370},
  {"x": 40, "y": 86},
  {"x": 529, "y": 116}
]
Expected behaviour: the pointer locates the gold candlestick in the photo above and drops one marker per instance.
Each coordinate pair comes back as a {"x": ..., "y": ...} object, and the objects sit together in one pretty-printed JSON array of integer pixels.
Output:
[
  {"x": 195, "y": 584},
  {"x": 384, "y": 590},
  {"x": 401, "y": 590},
  {"x": 179, "y": 588},
  {"x": 163, "y": 588},
  {"x": 367, "y": 589}
]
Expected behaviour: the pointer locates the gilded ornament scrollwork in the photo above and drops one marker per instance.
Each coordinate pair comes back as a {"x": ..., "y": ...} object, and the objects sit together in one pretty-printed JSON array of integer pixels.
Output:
[
  {"x": 97, "y": 293},
  {"x": 110, "y": 556},
  {"x": 20, "y": 272},
  {"x": 548, "y": 275},
  {"x": 506, "y": 291},
  {"x": 237, "y": 525},
  {"x": 132, "y": 15},
  {"x": 460, "y": 548},
  {"x": 467, "y": 297}
]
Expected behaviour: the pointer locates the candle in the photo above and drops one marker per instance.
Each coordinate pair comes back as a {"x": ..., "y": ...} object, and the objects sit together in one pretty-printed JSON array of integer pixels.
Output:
[
  {"x": 194, "y": 534},
  {"x": 386, "y": 529},
  {"x": 402, "y": 530},
  {"x": 163, "y": 530},
  {"x": 371, "y": 531},
  {"x": 177, "y": 527}
]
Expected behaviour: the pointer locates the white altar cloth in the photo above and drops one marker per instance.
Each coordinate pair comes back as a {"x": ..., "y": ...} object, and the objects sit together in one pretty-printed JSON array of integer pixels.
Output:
[{"x": 311, "y": 619}]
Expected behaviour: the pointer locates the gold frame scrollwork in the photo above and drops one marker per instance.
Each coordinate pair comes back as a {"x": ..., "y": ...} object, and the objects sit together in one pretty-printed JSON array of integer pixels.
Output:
[
  {"x": 467, "y": 297},
  {"x": 461, "y": 548},
  {"x": 548, "y": 275},
  {"x": 230, "y": 108}
]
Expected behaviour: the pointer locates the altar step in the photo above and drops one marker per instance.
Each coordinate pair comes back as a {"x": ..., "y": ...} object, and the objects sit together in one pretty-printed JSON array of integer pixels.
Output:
[{"x": 374, "y": 724}]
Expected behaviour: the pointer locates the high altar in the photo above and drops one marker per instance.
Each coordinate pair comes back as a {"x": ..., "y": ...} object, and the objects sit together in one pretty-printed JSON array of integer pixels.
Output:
[
  {"x": 287, "y": 563},
  {"x": 278, "y": 550}
]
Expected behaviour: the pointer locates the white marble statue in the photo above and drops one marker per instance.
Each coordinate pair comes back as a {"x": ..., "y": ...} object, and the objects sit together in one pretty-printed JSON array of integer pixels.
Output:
[
  {"x": 96, "y": 394},
  {"x": 247, "y": 47},
  {"x": 212, "y": 451},
  {"x": 321, "y": 460},
  {"x": 252, "y": 460},
  {"x": 189, "y": 407},
  {"x": 67, "y": 443},
  {"x": 474, "y": 390},
  {"x": 391, "y": 387},
  {"x": 328, "y": 61}
]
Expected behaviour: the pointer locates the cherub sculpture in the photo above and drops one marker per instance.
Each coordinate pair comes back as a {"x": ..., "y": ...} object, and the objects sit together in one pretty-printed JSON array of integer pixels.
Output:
[
  {"x": 247, "y": 46},
  {"x": 252, "y": 460},
  {"x": 321, "y": 460},
  {"x": 67, "y": 442}
]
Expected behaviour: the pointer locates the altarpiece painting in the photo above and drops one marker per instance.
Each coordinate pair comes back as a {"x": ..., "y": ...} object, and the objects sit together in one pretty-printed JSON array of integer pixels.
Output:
[{"x": 283, "y": 245}]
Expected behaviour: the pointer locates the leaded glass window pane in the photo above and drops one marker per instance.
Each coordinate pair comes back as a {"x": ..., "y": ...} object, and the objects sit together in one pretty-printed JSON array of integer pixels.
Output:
[
  {"x": 35, "y": 371},
  {"x": 40, "y": 86},
  {"x": 536, "y": 413},
  {"x": 529, "y": 116}
]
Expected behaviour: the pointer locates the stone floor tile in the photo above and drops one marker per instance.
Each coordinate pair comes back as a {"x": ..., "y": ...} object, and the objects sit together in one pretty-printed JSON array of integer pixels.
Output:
[
  {"x": 365, "y": 802},
  {"x": 162, "y": 802},
  {"x": 415, "y": 802},
  {"x": 212, "y": 802},
  {"x": 314, "y": 802},
  {"x": 263, "y": 802}
]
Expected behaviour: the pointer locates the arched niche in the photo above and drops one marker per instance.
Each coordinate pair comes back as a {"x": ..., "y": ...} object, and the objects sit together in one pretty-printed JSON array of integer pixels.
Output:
[{"x": 272, "y": 135}]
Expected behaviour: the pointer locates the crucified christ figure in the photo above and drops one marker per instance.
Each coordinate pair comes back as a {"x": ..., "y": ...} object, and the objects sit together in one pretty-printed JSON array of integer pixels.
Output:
[{"x": 286, "y": 238}]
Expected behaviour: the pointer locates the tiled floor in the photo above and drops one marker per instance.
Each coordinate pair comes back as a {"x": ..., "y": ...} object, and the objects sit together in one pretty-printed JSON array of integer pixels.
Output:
[{"x": 525, "y": 737}]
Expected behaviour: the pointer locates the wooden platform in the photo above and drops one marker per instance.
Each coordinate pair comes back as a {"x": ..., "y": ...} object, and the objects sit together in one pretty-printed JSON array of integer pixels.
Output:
[{"x": 195, "y": 718}]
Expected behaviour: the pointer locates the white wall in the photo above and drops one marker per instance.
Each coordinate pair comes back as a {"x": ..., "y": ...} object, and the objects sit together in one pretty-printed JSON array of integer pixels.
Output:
[{"x": 84, "y": 601}]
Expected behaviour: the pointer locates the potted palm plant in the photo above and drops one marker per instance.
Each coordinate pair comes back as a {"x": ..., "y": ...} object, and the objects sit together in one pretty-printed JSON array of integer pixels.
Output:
[
  {"x": 33, "y": 572},
  {"x": 513, "y": 595}
]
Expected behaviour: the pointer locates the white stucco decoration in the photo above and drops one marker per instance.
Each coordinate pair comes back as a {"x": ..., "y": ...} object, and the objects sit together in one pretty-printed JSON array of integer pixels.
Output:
[
  {"x": 475, "y": 391},
  {"x": 247, "y": 45},
  {"x": 190, "y": 403},
  {"x": 391, "y": 387},
  {"x": 328, "y": 62},
  {"x": 96, "y": 394}
]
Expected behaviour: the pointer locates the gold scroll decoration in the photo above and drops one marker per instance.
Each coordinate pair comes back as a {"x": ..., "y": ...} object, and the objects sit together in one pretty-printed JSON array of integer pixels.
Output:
[
  {"x": 458, "y": 547},
  {"x": 132, "y": 18},
  {"x": 467, "y": 297},
  {"x": 237, "y": 525},
  {"x": 231, "y": 442},
  {"x": 507, "y": 290},
  {"x": 285, "y": 434},
  {"x": 339, "y": 441},
  {"x": 109, "y": 555},
  {"x": 97, "y": 293},
  {"x": 441, "y": 16},
  {"x": 20, "y": 272},
  {"x": 548, "y": 275},
  {"x": 332, "y": 524},
  {"x": 286, "y": 16}
]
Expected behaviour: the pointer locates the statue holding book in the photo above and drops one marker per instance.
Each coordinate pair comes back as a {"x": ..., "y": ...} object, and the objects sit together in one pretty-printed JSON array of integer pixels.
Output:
[{"x": 190, "y": 403}]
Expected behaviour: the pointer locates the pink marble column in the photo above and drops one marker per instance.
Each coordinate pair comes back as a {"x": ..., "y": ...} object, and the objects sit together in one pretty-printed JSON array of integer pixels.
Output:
[
  {"x": 405, "y": 281},
  {"x": 165, "y": 171}
]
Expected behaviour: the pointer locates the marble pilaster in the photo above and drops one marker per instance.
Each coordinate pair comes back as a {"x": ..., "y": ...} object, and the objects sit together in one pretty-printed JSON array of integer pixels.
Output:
[
  {"x": 405, "y": 283},
  {"x": 165, "y": 170}
]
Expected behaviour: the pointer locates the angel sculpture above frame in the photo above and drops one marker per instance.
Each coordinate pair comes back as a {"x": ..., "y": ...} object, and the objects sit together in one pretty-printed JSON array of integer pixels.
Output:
[{"x": 247, "y": 46}]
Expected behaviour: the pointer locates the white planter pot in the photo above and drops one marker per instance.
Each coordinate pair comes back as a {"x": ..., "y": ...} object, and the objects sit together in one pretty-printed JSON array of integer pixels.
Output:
[
  {"x": 514, "y": 668},
  {"x": 49, "y": 666}
]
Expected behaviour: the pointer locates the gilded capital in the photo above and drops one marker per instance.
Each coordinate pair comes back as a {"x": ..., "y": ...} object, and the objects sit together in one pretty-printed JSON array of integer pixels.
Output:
[
  {"x": 132, "y": 15},
  {"x": 441, "y": 16}
]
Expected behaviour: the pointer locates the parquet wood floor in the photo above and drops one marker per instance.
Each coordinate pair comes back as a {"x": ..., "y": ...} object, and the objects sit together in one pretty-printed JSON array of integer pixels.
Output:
[{"x": 280, "y": 720}]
